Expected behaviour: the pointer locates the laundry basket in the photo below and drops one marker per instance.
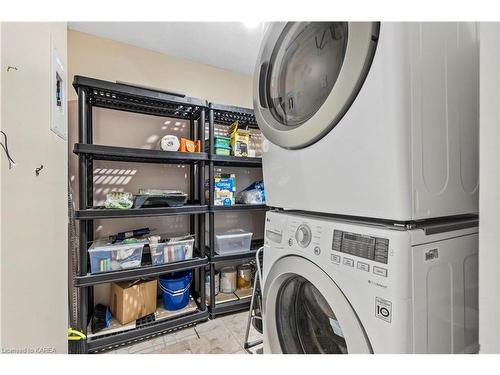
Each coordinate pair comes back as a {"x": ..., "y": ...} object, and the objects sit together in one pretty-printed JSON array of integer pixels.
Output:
[{"x": 175, "y": 289}]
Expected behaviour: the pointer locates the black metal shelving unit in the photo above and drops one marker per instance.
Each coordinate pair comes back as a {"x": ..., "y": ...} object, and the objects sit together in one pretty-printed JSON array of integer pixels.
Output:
[
  {"x": 226, "y": 115},
  {"x": 97, "y": 93}
]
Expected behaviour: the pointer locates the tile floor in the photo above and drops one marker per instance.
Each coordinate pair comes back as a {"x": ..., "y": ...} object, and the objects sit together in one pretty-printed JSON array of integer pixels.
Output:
[{"x": 223, "y": 335}]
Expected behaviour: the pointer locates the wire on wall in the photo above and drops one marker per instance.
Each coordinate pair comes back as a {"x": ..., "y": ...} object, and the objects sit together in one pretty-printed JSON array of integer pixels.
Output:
[{"x": 5, "y": 147}]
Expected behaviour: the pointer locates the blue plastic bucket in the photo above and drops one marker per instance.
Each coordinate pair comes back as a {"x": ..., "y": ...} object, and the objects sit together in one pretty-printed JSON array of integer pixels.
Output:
[{"x": 175, "y": 289}]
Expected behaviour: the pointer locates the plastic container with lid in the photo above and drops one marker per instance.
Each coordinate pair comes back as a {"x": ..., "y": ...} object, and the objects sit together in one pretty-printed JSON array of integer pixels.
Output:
[
  {"x": 233, "y": 241},
  {"x": 106, "y": 256},
  {"x": 172, "y": 250}
]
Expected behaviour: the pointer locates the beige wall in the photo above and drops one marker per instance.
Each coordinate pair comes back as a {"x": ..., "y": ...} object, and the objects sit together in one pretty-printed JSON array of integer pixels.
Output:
[
  {"x": 109, "y": 60},
  {"x": 33, "y": 264}
]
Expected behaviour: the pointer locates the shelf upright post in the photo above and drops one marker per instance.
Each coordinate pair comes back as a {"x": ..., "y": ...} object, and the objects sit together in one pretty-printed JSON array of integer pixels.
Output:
[
  {"x": 201, "y": 194},
  {"x": 83, "y": 170},
  {"x": 211, "y": 130},
  {"x": 212, "y": 289},
  {"x": 211, "y": 177},
  {"x": 90, "y": 196},
  {"x": 211, "y": 215},
  {"x": 201, "y": 182}
]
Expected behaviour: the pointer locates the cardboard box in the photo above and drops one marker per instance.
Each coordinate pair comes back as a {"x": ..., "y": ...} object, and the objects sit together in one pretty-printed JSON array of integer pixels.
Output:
[{"x": 133, "y": 300}]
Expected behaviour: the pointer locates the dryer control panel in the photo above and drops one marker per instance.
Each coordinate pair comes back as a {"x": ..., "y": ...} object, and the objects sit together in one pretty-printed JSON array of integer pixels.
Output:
[{"x": 372, "y": 248}]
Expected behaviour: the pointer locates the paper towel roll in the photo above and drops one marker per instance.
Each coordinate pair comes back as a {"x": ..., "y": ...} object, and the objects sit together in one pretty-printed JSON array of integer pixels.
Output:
[{"x": 169, "y": 143}]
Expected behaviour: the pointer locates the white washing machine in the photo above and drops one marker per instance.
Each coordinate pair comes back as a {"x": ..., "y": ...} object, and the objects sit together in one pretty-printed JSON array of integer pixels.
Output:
[
  {"x": 376, "y": 120},
  {"x": 334, "y": 286}
]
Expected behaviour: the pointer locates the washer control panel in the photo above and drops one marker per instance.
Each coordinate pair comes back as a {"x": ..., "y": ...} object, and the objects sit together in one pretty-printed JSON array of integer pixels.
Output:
[
  {"x": 353, "y": 250},
  {"x": 372, "y": 248}
]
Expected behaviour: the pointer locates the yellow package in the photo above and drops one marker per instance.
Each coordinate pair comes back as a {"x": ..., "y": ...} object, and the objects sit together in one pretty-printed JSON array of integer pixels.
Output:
[{"x": 239, "y": 140}]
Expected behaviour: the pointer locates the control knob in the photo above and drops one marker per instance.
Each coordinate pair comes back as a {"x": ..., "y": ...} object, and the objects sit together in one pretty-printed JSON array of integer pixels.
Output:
[{"x": 303, "y": 235}]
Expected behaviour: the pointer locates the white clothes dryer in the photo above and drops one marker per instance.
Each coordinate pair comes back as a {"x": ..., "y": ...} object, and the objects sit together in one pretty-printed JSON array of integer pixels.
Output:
[
  {"x": 335, "y": 286},
  {"x": 375, "y": 120}
]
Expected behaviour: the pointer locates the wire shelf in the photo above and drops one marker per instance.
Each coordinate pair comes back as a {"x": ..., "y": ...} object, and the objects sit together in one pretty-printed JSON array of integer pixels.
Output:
[
  {"x": 226, "y": 115},
  {"x": 123, "y": 97}
]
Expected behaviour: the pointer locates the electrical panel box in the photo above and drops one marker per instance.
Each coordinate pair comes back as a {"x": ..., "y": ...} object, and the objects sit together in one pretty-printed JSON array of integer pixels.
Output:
[{"x": 58, "y": 99}]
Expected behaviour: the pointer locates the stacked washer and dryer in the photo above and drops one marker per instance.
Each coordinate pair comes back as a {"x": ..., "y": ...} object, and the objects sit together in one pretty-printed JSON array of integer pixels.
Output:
[{"x": 371, "y": 163}]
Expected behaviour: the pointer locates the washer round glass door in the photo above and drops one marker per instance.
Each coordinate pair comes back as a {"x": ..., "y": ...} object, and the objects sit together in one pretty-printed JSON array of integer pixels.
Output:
[
  {"x": 306, "y": 313},
  {"x": 305, "y": 321},
  {"x": 308, "y": 75}
]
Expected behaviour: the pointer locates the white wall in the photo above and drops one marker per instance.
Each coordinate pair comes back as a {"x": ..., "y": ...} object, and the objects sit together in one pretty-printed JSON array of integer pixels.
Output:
[
  {"x": 33, "y": 263},
  {"x": 489, "y": 196}
]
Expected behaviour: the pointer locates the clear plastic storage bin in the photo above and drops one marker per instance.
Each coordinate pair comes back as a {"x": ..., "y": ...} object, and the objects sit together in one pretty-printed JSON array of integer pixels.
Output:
[
  {"x": 106, "y": 256},
  {"x": 174, "y": 250},
  {"x": 233, "y": 241}
]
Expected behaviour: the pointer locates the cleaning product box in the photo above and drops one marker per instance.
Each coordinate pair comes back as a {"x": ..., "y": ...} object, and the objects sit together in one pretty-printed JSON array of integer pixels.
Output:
[
  {"x": 222, "y": 142},
  {"x": 224, "y": 189},
  {"x": 133, "y": 300},
  {"x": 222, "y": 145},
  {"x": 223, "y": 151},
  {"x": 239, "y": 140}
]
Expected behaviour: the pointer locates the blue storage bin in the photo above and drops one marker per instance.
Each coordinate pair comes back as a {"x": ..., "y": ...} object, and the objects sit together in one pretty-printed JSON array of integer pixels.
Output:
[{"x": 175, "y": 289}]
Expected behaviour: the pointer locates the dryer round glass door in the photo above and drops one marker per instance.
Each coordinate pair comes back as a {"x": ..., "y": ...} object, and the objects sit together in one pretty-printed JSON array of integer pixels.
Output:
[
  {"x": 307, "y": 77},
  {"x": 304, "y": 68},
  {"x": 305, "y": 312}
]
